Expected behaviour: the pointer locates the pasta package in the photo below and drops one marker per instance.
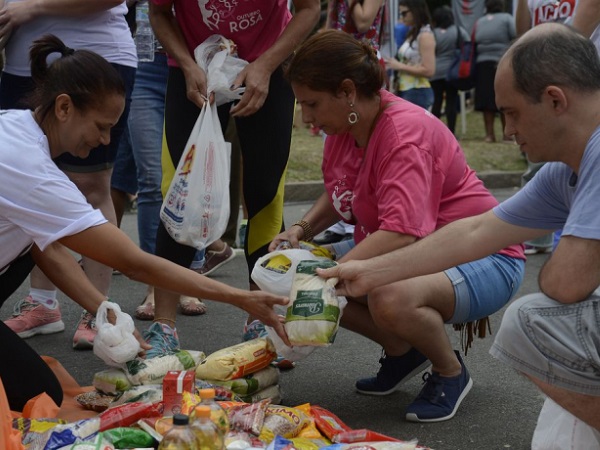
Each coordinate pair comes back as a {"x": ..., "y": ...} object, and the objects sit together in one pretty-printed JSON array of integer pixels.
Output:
[{"x": 314, "y": 314}]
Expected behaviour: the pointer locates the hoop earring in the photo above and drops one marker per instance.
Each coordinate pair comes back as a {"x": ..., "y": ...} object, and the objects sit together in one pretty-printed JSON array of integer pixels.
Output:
[{"x": 353, "y": 117}]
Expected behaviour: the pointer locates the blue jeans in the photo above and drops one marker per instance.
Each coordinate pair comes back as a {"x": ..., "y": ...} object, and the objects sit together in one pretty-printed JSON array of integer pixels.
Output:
[
  {"x": 138, "y": 164},
  {"x": 418, "y": 96},
  {"x": 484, "y": 286},
  {"x": 556, "y": 343}
]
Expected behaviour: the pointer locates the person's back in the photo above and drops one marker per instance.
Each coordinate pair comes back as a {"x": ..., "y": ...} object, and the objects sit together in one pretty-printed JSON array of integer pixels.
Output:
[
  {"x": 493, "y": 34},
  {"x": 445, "y": 46}
]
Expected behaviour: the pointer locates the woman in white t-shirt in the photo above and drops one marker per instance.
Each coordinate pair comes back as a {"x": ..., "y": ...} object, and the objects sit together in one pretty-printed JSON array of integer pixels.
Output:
[{"x": 79, "y": 97}]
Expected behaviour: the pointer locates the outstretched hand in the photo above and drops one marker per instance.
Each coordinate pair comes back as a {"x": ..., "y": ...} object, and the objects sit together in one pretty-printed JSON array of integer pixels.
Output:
[
  {"x": 354, "y": 280},
  {"x": 260, "y": 304},
  {"x": 291, "y": 235},
  {"x": 143, "y": 344}
]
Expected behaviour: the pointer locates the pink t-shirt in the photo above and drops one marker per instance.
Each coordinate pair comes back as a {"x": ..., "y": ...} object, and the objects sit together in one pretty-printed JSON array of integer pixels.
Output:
[
  {"x": 412, "y": 178},
  {"x": 253, "y": 25}
]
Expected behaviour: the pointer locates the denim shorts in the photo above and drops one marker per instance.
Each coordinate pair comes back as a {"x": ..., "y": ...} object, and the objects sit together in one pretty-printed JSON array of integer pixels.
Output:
[
  {"x": 484, "y": 286},
  {"x": 419, "y": 96},
  {"x": 556, "y": 343}
]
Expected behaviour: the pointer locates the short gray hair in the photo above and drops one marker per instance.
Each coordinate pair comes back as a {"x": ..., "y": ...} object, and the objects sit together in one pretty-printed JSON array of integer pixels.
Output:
[{"x": 557, "y": 56}]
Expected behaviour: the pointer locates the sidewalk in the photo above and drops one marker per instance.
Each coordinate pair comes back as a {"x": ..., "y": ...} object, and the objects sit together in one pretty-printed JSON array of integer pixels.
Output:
[{"x": 500, "y": 412}]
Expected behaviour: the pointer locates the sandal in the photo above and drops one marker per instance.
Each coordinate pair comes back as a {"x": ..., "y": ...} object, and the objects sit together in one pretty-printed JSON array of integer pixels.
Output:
[
  {"x": 191, "y": 306},
  {"x": 145, "y": 311}
]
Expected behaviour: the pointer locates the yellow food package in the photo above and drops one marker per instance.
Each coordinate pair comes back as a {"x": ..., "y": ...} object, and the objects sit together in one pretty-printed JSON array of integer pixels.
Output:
[
  {"x": 237, "y": 361},
  {"x": 282, "y": 421},
  {"x": 310, "y": 431}
]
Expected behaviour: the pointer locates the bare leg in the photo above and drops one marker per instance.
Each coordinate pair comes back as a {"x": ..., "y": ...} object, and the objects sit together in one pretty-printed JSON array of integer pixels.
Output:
[
  {"x": 584, "y": 407},
  {"x": 488, "y": 120}
]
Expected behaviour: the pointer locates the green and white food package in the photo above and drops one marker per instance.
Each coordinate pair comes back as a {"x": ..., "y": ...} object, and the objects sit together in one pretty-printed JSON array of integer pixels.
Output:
[
  {"x": 111, "y": 381},
  {"x": 250, "y": 384},
  {"x": 152, "y": 371},
  {"x": 314, "y": 313}
]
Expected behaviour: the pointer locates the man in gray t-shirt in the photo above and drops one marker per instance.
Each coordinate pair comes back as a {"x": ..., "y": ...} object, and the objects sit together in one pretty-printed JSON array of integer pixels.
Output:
[{"x": 548, "y": 87}]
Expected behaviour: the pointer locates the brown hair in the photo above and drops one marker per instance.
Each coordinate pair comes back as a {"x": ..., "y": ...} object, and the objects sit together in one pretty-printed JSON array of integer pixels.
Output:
[
  {"x": 81, "y": 74},
  {"x": 329, "y": 57}
]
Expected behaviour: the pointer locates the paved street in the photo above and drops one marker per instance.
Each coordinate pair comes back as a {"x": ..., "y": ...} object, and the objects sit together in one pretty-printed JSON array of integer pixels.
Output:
[{"x": 500, "y": 412}]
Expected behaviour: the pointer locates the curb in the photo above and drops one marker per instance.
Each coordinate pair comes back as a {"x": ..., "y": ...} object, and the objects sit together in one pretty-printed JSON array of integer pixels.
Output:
[{"x": 309, "y": 191}]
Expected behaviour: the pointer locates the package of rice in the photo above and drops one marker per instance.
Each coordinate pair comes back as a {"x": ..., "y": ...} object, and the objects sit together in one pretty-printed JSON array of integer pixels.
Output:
[
  {"x": 237, "y": 361},
  {"x": 272, "y": 393},
  {"x": 314, "y": 312},
  {"x": 252, "y": 383},
  {"x": 111, "y": 381},
  {"x": 152, "y": 371}
]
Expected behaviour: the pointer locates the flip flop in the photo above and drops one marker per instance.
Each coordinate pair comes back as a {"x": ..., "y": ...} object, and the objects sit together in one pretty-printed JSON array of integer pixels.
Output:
[
  {"x": 145, "y": 311},
  {"x": 191, "y": 306}
]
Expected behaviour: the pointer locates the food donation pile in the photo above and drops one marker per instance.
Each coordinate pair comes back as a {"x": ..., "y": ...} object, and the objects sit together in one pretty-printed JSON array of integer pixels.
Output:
[{"x": 136, "y": 402}]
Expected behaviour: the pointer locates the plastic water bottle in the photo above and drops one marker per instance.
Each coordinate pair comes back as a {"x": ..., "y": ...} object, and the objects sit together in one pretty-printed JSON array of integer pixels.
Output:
[
  {"x": 144, "y": 36},
  {"x": 180, "y": 436},
  {"x": 217, "y": 414},
  {"x": 208, "y": 437}
]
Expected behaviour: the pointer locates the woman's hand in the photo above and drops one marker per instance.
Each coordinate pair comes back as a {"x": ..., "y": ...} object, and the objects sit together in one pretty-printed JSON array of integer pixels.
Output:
[
  {"x": 394, "y": 64},
  {"x": 293, "y": 235},
  {"x": 143, "y": 344},
  {"x": 259, "y": 304},
  {"x": 255, "y": 77},
  {"x": 196, "y": 85}
]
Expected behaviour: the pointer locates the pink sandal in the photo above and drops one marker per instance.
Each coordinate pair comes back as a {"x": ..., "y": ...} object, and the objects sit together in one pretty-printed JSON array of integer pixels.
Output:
[
  {"x": 191, "y": 306},
  {"x": 146, "y": 310}
]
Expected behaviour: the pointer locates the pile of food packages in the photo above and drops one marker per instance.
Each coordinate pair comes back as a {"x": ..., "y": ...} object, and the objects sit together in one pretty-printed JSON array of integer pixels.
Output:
[{"x": 137, "y": 401}]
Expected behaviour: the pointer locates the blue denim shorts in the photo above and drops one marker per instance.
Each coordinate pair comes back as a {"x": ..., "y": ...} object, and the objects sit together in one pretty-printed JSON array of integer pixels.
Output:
[
  {"x": 556, "y": 343},
  {"x": 484, "y": 286}
]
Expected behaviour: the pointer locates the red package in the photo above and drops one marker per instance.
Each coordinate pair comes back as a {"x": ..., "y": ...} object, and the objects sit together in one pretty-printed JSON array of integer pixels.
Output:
[
  {"x": 328, "y": 423},
  {"x": 361, "y": 435},
  {"x": 127, "y": 414},
  {"x": 174, "y": 383},
  {"x": 248, "y": 416}
]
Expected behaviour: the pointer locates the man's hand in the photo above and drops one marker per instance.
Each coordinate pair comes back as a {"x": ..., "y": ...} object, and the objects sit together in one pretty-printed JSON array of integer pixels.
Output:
[{"x": 355, "y": 279}]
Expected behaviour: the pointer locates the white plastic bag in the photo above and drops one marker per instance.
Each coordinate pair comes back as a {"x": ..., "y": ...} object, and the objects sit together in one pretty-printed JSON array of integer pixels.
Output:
[
  {"x": 275, "y": 271},
  {"x": 115, "y": 344},
  {"x": 558, "y": 429},
  {"x": 195, "y": 210},
  {"x": 217, "y": 57}
]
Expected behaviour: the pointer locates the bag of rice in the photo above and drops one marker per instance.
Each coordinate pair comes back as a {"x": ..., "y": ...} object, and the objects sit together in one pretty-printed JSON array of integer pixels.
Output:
[
  {"x": 152, "y": 371},
  {"x": 314, "y": 313},
  {"x": 252, "y": 383},
  {"x": 111, "y": 381},
  {"x": 237, "y": 360}
]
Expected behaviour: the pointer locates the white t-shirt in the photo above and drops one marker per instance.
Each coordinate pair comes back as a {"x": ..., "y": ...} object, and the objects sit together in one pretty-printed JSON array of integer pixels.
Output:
[
  {"x": 105, "y": 33},
  {"x": 38, "y": 203}
]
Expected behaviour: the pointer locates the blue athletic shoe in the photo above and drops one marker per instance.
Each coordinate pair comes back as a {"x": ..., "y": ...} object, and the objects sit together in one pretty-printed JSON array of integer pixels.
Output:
[
  {"x": 394, "y": 372},
  {"x": 256, "y": 329},
  {"x": 162, "y": 338},
  {"x": 440, "y": 397}
]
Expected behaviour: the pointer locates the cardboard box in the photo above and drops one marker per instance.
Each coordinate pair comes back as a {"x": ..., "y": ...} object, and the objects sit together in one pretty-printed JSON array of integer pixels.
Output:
[{"x": 174, "y": 383}]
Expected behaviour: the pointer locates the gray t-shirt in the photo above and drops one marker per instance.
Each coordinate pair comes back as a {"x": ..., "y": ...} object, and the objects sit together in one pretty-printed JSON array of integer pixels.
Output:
[
  {"x": 558, "y": 198},
  {"x": 445, "y": 46},
  {"x": 493, "y": 35}
]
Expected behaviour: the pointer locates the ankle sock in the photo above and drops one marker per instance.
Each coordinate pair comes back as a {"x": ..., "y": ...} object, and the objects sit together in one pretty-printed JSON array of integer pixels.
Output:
[{"x": 44, "y": 297}]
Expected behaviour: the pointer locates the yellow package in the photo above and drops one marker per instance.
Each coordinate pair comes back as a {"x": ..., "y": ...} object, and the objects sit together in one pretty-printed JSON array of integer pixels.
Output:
[
  {"x": 310, "y": 431},
  {"x": 237, "y": 361},
  {"x": 282, "y": 421}
]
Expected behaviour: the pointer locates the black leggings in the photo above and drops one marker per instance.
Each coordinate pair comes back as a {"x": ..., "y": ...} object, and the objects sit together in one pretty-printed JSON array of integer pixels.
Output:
[
  {"x": 439, "y": 87},
  {"x": 265, "y": 143},
  {"x": 24, "y": 374}
]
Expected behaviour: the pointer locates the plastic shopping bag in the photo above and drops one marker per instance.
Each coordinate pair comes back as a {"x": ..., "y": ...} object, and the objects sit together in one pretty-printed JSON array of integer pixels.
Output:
[
  {"x": 274, "y": 272},
  {"x": 195, "y": 210},
  {"x": 217, "y": 56},
  {"x": 558, "y": 429},
  {"x": 115, "y": 344}
]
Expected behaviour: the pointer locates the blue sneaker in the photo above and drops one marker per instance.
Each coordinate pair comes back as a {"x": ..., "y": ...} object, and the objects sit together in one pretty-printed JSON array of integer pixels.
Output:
[
  {"x": 440, "y": 397},
  {"x": 162, "y": 338},
  {"x": 256, "y": 329},
  {"x": 394, "y": 372}
]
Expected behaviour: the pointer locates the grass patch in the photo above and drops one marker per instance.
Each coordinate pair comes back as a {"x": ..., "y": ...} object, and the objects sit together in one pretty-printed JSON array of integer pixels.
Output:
[{"x": 307, "y": 151}]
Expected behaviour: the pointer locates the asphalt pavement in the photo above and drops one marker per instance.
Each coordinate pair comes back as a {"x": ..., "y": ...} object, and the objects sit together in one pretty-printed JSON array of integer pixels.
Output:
[{"x": 500, "y": 411}]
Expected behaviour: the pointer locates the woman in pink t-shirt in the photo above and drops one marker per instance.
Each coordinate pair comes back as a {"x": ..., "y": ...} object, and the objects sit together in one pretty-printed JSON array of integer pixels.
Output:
[{"x": 398, "y": 173}]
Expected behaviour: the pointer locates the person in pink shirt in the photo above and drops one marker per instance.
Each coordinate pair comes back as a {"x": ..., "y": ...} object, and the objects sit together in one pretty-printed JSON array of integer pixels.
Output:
[
  {"x": 397, "y": 173},
  {"x": 266, "y": 33}
]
